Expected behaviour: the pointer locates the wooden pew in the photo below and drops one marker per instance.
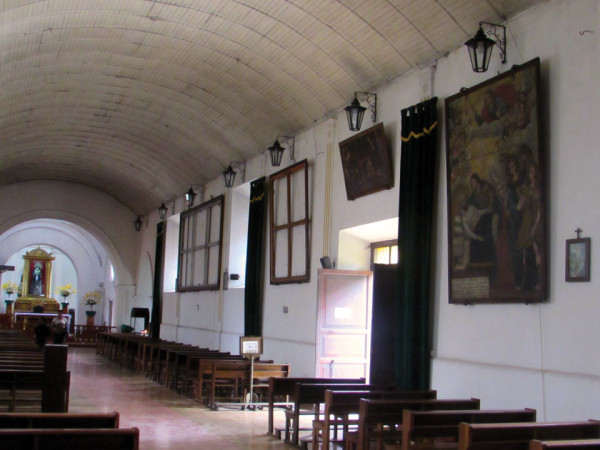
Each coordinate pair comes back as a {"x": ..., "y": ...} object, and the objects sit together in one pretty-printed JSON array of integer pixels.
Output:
[
  {"x": 176, "y": 372},
  {"x": 30, "y": 379},
  {"x": 188, "y": 380},
  {"x": 381, "y": 420},
  {"x": 422, "y": 427},
  {"x": 578, "y": 444},
  {"x": 61, "y": 439},
  {"x": 204, "y": 384},
  {"x": 339, "y": 405},
  {"x": 516, "y": 436},
  {"x": 309, "y": 397},
  {"x": 264, "y": 371},
  {"x": 59, "y": 420},
  {"x": 280, "y": 388},
  {"x": 230, "y": 375}
]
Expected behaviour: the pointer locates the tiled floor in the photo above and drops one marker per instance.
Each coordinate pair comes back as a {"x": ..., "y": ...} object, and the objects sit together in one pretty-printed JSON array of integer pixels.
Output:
[{"x": 165, "y": 419}]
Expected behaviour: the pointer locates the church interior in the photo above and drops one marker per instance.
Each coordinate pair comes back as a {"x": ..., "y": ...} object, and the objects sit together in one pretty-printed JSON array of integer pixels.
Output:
[{"x": 192, "y": 173}]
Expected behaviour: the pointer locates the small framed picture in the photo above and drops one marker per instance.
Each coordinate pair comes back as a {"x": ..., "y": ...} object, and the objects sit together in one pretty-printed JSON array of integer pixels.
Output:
[{"x": 577, "y": 265}]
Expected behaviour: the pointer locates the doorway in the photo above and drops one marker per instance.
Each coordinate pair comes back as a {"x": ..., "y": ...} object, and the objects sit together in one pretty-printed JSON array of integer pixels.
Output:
[{"x": 343, "y": 324}]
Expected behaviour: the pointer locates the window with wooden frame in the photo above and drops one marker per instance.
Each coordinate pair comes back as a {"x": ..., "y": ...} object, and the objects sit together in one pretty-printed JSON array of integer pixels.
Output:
[
  {"x": 289, "y": 225},
  {"x": 384, "y": 252},
  {"x": 200, "y": 247}
]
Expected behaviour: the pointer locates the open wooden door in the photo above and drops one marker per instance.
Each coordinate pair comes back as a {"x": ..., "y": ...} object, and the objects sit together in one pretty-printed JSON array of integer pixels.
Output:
[
  {"x": 343, "y": 325},
  {"x": 383, "y": 335}
]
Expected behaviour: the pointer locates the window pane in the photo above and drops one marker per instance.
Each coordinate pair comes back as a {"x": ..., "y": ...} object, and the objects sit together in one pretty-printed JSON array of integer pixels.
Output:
[
  {"x": 182, "y": 270},
  {"x": 394, "y": 255},
  {"x": 298, "y": 207},
  {"x": 381, "y": 255},
  {"x": 185, "y": 233},
  {"x": 215, "y": 220},
  {"x": 299, "y": 256},
  {"x": 199, "y": 265},
  {"x": 200, "y": 232},
  {"x": 281, "y": 248},
  {"x": 280, "y": 201},
  {"x": 213, "y": 270},
  {"x": 189, "y": 270}
]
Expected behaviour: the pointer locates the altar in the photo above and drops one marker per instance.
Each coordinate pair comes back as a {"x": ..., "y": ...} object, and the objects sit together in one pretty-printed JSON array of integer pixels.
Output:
[{"x": 35, "y": 293}]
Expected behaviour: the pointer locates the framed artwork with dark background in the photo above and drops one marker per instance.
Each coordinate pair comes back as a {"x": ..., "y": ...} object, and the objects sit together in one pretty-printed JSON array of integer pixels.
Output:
[
  {"x": 496, "y": 190},
  {"x": 367, "y": 163}
]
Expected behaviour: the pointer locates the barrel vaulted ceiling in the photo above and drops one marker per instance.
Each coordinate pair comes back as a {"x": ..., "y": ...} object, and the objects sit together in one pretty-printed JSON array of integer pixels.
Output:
[{"x": 141, "y": 98}]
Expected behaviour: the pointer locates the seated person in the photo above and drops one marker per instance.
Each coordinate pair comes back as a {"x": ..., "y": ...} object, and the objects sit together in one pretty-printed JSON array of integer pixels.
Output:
[
  {"x": 59, "y": 329},
  {"x": 41, "y": 332}
]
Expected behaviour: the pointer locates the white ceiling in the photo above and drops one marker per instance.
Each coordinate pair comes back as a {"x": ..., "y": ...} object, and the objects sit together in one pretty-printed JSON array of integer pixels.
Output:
[{"x": 141, "y": 98}]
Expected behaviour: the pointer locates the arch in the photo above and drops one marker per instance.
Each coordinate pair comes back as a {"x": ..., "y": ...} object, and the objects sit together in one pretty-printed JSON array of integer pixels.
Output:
[
  {"x": 122, "y": 275},
  {"x": 108, "y": 220},
  {"x": 144, "y": 285}
]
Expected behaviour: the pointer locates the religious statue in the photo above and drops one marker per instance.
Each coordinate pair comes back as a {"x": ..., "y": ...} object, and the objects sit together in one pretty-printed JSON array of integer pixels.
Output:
[{"x": 37, "y": 284}]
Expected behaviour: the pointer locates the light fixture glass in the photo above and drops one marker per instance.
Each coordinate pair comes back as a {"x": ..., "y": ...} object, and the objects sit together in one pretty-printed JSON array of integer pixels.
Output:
[
  {"x": 229, "y": 175},
  {"x": 355, "y": 113},
  {"x": 190, "y": 195},
  {"x": 138, "y": 223},
  {"x": 480, "y": 50},
  {"x": 162, "y": 211},
  {"x": 276, "y": 153}
]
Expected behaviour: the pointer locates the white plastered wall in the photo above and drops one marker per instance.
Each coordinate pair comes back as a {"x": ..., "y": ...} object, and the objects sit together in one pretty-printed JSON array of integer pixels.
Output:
[{"x": 541, "y": 356}]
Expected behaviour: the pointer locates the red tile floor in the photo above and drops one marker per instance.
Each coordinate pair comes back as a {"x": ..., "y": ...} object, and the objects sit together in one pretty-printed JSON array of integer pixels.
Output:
[{"x": 165, "y": 419}]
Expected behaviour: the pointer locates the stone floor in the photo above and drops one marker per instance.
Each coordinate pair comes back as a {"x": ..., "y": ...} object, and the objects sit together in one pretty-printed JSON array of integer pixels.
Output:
[{"x": 165, "y": 419}]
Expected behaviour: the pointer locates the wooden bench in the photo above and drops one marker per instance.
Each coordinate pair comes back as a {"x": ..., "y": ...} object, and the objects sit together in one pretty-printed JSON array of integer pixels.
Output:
[
  {"x": 187, "y": 378},
  {"x": 29, "y": 379},
  {"x": 59, "y": 420},
  {"x": 381, "y": 420},
  {"x": 281, "y": 390},
  {"x": 575, "y": 444},
  {"x": 308, "y": 398},
  {"x": 424, "y": 429},
  {"x": 204, "y": 383},
  {"x": 61, "y": 439},
  {"x": 340, "y": 405},
  {"x": 263, "y": 372},
  {"x": 230, "y": 375},
  {"x": 516, "y": 436}
]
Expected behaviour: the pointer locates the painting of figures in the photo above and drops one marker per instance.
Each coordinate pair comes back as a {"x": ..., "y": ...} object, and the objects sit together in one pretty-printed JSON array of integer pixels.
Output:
[{"x": 495, "y": 176}]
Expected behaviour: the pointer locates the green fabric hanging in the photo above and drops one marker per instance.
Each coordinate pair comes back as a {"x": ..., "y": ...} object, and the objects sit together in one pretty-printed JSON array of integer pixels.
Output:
[
  {"x": 255, "y": 259},
  {"x": 415, "y": 217}
]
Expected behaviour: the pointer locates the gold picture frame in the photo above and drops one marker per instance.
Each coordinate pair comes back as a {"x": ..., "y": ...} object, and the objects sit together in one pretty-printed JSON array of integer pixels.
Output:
[
  {"x": 496, "y": 190},
  {"x": 37, "y": 274}
]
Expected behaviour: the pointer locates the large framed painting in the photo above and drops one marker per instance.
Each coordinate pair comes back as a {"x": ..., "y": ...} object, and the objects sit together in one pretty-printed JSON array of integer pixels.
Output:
[
  {"x": 495, "y": 175},
  {"x": 367, "y": 163}
]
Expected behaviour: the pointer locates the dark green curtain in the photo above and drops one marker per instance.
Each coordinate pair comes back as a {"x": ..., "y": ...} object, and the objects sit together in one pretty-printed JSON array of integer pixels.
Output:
[
  {"x": 159, "y": 268},
  {"x": 255, "y": 259},
  {"x": 415, "y": 217}
]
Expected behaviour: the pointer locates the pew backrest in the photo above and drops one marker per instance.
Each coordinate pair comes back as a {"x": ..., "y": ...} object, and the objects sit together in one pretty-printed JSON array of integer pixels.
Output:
[
  {"x": 59, "y": 420},
  {"x": 421, "y": 425},
  {"x": 339, "y": 405},
  {"x": 265, "y": 371},
  {"x": 375, "y": 414},
  {"x": 61, "y": 439},
  {"x": 518, "y": 435},
  {"x": 573, "y": 444},
  {"x": 340, "y": 402},
  {"x": 285, "y": 387}
]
